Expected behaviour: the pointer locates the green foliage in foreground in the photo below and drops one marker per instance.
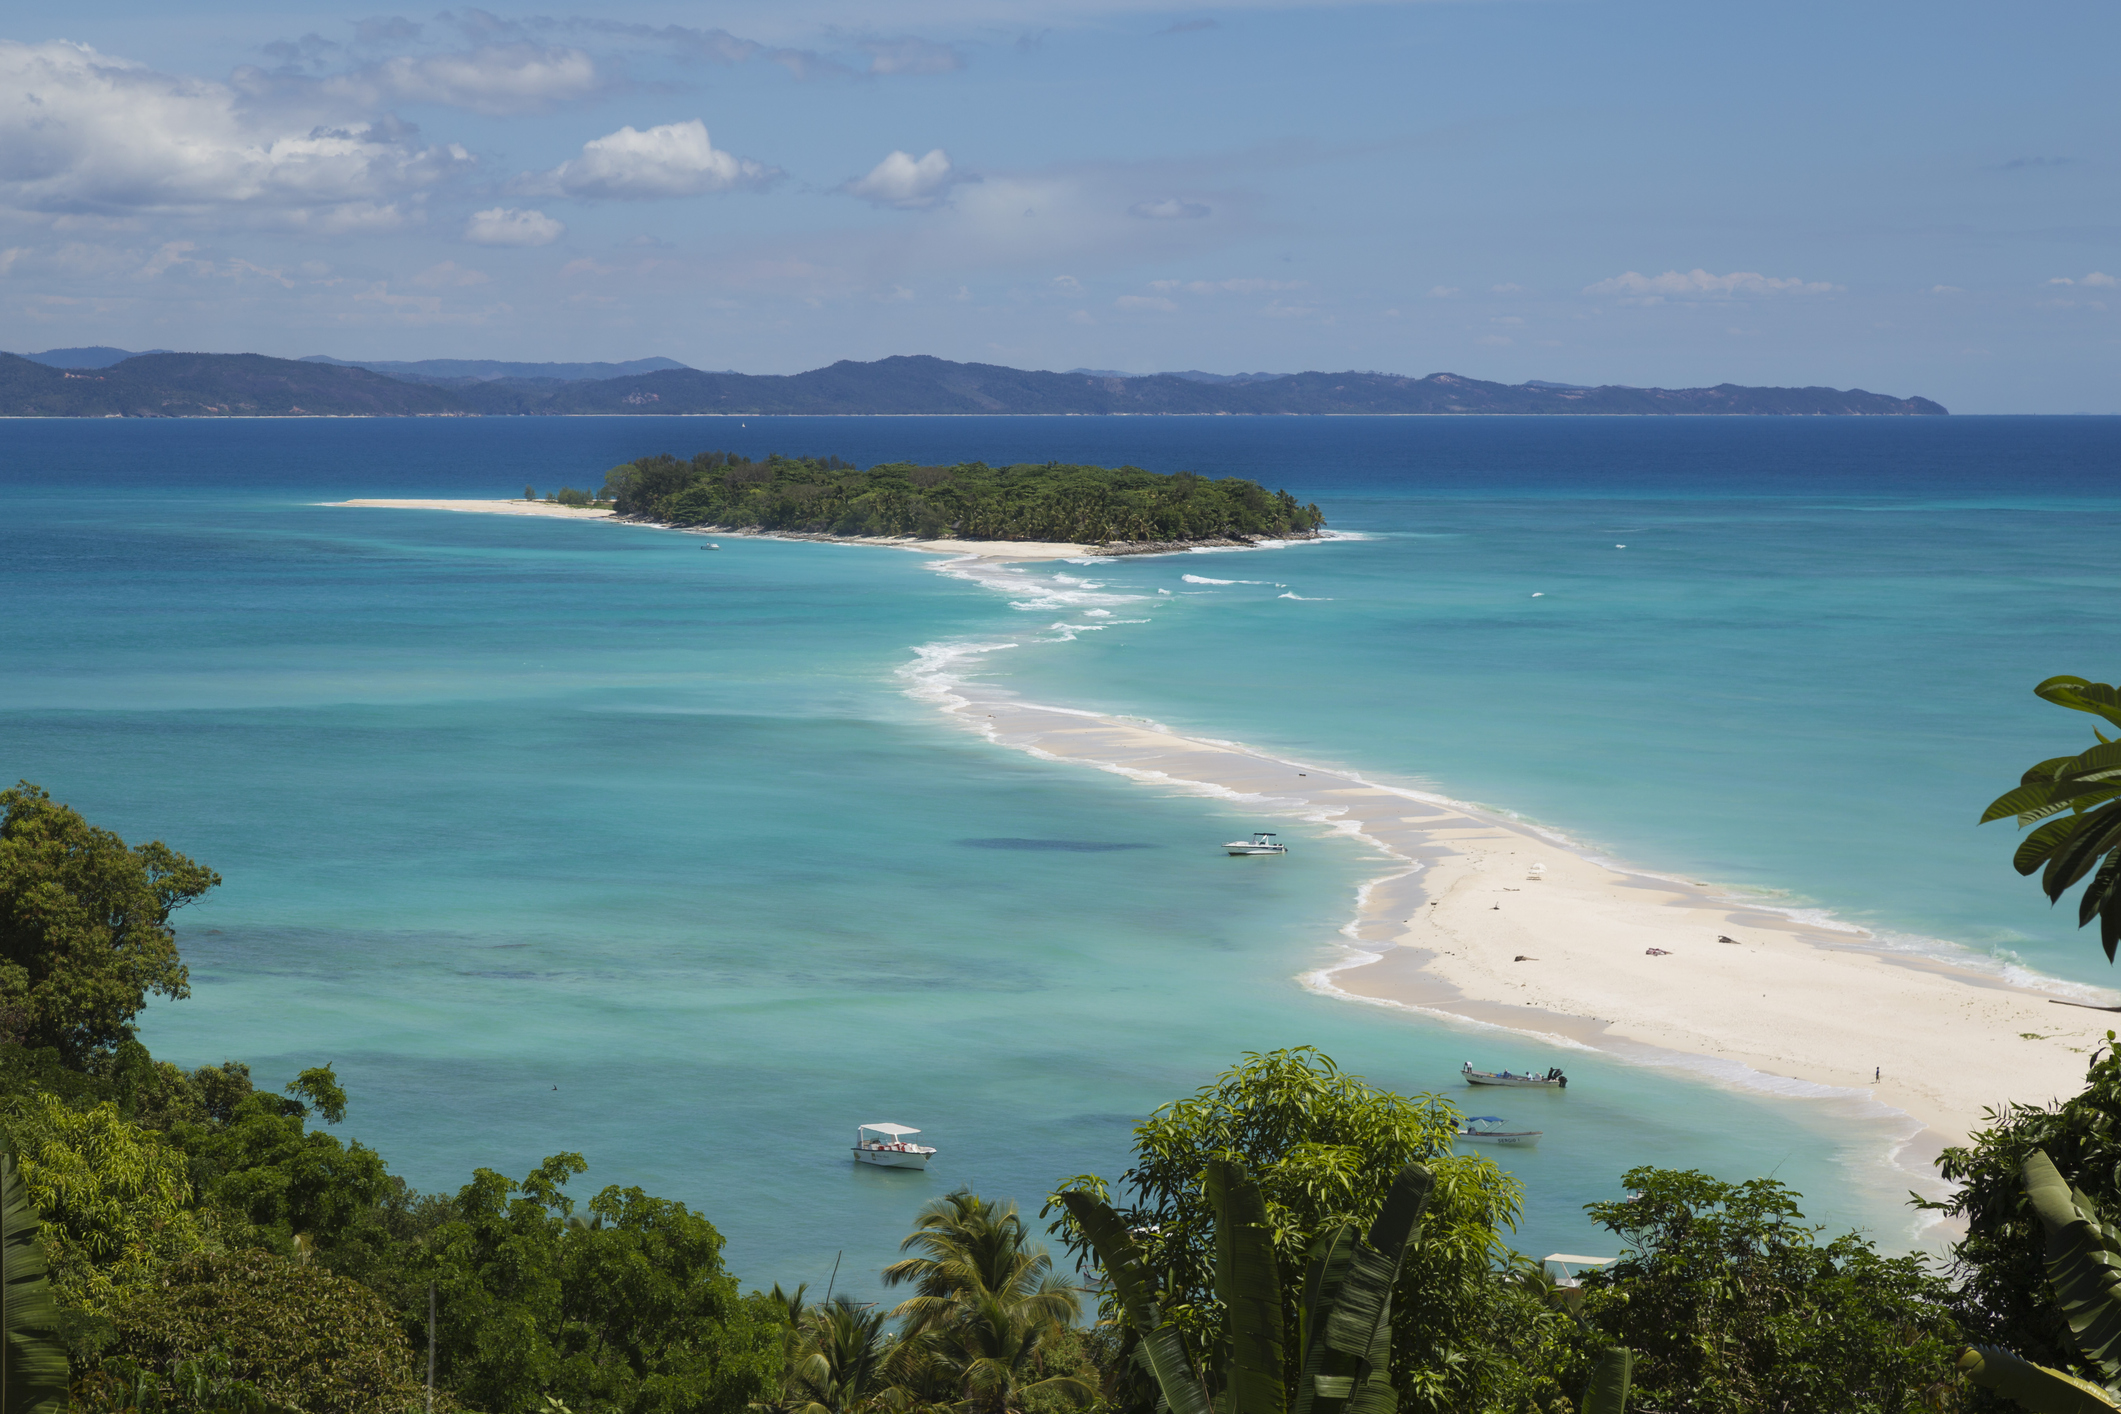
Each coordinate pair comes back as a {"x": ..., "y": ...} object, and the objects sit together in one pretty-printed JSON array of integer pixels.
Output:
[
  {"x": 2075, "y": 803},
  {"x": 84, "y": 927},
  {"x": 1731, "y": 1306},
  {"x": 1342, "y": 1350},
  {"x": 2084, "y": 1275},
  {"x": 33, "y": 1364},
  {"x": 1323, "y": 1148},
  {"x": 970, "y": 501},
  {"x": 2003, "y": 1297}
]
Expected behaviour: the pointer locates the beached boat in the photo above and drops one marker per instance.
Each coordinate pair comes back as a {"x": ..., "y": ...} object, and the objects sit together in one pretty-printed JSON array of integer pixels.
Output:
[
  {"x": 886, "y": 1146},
  {"x": 1262, "y": 842},
  {"x": 1552, "y": 1080},
  {"x": 1487, "y": 1129}
]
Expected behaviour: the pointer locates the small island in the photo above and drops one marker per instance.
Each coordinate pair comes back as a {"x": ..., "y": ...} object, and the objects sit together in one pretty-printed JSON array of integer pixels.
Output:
[{"x": 1118, "y": 509}]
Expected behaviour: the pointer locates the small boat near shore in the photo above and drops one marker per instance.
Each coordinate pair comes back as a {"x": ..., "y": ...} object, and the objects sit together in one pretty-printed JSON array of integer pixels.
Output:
[
  {"x": 887, "y": 1146},
  {"x": 1262, "y": 842},
  {"x": 1552, "y": 1080},
  {"x": 1487, "y": 1129}
]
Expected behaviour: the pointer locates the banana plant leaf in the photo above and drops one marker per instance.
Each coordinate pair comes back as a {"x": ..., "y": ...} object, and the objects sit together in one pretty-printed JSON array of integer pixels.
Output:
[
  {"x": 1161, "y": 1352},
  {"x": 33, "y": 1369},
  {"x": 2083, "y": 1266},
  {"x": 1348, "y": 1332},
  {"x": 1607, "y": 1392},
  {"x": 1124, "y": 1265},
  {"x": 2035, "y": 1387},
  {"x": 1248, "y": 1283},
  {"x": 1324, "y": 1272}
]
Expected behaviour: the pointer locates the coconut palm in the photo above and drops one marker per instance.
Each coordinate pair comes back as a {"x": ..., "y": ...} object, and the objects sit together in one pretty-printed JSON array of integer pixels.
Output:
[
  {"x": 841, "y": 1367},
  {"x": 971, "y": 1247},
  {"x": 985, "y": 1314}
]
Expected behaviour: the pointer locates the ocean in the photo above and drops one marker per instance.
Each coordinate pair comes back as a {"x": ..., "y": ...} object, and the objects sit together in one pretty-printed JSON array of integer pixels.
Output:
[{"x": 568, "y": 836}]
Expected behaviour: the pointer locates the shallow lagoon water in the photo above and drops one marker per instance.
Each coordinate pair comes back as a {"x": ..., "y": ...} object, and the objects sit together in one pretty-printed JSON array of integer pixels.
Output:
[{"x": 508, "y": 805}]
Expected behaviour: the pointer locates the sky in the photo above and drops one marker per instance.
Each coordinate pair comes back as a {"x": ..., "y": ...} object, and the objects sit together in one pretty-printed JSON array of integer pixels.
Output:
[{"x": 1913, "y": 199}]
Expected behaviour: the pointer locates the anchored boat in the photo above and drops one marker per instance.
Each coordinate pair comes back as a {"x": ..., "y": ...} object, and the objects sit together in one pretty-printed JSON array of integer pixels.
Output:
[
  {"x": 1262, "y": 842},
  {"x": 1487, "y": 1129},
  {"x": 1552, "y": 1080},
  {"x": 887, "y": 1146}
]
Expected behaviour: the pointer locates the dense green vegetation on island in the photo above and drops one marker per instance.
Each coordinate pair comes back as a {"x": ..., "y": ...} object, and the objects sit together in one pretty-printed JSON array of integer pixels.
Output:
[
  {"x": 970, "y": 501},
  {"x": 1287, "y": 1240}
]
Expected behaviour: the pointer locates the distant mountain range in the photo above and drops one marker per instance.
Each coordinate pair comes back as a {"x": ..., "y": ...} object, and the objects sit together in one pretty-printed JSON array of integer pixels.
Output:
[{"x": 250, "y": 385}]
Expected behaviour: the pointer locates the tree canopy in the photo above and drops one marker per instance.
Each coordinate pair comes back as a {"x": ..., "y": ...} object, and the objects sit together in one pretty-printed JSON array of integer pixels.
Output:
[
  {"x": 1323, "y": 1147},
  {"x": 84, "y": 926},
  {"x": 969, "y": 501}
]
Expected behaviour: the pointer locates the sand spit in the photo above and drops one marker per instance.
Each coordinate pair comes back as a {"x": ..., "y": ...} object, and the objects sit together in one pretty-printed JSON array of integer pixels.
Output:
[
  {"x": 1495, "y": 923},
  {"x": 1020, "y": 550}
]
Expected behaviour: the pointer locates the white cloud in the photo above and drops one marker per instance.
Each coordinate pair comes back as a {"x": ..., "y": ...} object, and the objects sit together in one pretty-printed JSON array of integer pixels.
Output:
[
  {"x": 671, "y": 159},
  {"x": 1442, "y": 291},
  {"x": 1700, "y": 282},
  {"x": 1169, "y": 209},
  {"x": 81, "y": 131},
  {"x": 903, "y": 181},
  {"x": 1507, "y": 289},
  {"x": 2062, "y": 280},
  {"x": 495, "y": 79},
  {"x": 2102, "y": 280},
  {"x": 1148, "y": 302},
  {"x": 507, "y": 226}
]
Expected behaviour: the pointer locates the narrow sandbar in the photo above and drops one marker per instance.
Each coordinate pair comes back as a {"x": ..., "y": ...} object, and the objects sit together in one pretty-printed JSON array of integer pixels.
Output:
[
  {"x": 1652, "y": 970},
  {"x": 984, "y": 549}
]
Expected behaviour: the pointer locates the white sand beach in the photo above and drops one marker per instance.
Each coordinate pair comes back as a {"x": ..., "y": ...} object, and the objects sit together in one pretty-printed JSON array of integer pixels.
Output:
[
  {"x": 985, "y": 549},
  {"x": 1462, "y": 924}
]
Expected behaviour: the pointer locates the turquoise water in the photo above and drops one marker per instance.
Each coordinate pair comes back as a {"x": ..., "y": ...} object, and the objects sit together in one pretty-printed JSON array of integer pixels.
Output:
[{"x": 507, "y": 805}]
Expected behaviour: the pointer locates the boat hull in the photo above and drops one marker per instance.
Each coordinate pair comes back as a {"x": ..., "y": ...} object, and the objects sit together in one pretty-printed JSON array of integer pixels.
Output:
[
  {"x": 1515, "y": 1082},
  {"x": 1255, "y": 849},
  {"x": 1525, "y": 1139},
  {"x": 894, "y": 1158}
]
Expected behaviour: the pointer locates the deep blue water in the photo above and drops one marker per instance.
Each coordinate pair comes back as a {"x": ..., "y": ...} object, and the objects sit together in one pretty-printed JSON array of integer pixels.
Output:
[{"x": 504, "y": 805}]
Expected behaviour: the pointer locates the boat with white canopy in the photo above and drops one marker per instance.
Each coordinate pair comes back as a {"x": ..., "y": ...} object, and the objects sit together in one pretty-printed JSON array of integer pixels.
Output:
[
  {"x": 889, "y": 1146},
  {"x": 1262, "y": 842}
]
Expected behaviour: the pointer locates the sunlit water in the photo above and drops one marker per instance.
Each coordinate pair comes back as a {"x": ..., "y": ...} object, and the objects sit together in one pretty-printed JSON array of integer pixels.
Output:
[{"x": 554, "y": 835}]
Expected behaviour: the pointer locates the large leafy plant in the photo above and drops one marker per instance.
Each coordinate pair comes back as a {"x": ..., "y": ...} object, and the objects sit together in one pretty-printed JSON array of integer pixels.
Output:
[
  {"x": 2084, "y": 1270},
  {"x": 2074, "y": 803}
]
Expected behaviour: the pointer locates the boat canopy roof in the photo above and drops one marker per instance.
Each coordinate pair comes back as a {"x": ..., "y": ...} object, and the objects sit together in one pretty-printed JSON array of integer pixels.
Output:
[
  {"x": 890, "y": 1129},
  {"x": 1483, "y": 1119},
  {"x": 1576, "y": 1261}
]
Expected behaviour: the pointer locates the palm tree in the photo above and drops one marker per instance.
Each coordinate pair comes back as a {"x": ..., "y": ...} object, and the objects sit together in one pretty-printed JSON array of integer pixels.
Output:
[
  {"x": 841, "y": 1369},
  {"x": 986, "y": 1310}
]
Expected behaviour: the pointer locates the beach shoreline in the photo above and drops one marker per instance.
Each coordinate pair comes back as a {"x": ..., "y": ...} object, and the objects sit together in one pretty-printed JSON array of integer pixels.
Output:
[
  {"x": 1588, "y": 953},
  {"x": 1019, "y": 550},
  {"x": 1591, "y": 953}
]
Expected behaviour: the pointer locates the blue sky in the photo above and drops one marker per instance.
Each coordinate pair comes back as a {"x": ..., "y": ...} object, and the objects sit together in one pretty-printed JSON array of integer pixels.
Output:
[{"x": 1913, "y": 199}]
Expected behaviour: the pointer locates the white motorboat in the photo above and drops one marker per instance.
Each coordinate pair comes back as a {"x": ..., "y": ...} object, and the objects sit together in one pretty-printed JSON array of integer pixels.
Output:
[
  {"x": 1552, "y": 1080},
  {"x": 888, "y": 1146},
  {"x": 1487, "y": 1129},
  {"x": 1262, "y": 842}
]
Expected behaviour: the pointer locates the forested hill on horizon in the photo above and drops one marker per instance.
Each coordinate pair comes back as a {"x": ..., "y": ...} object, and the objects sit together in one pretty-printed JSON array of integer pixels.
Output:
[{"x": 253, "y": 385}]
